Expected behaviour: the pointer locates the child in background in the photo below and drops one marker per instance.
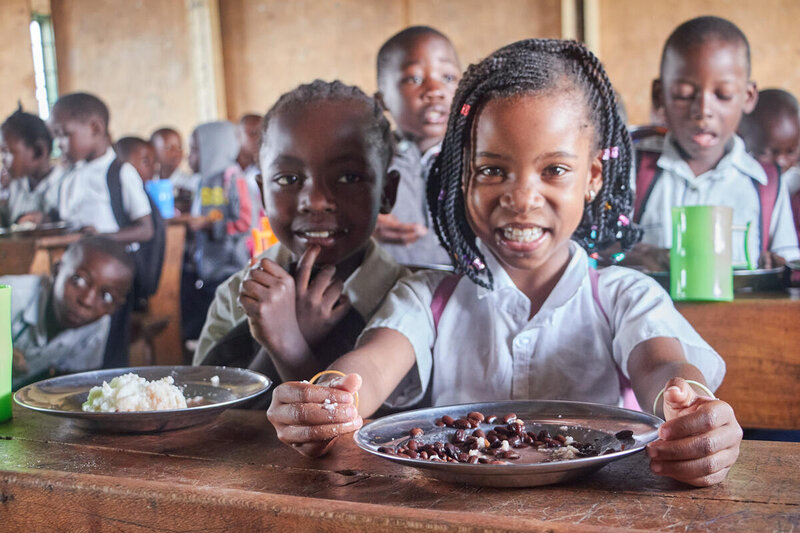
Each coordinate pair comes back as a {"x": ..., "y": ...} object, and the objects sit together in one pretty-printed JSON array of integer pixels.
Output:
[
  {"x": 249, "y": 134},
  {"x": 703, "y": 89},
  {"x": 325, "y": 156},
  {"x": 418, "y": 70},
  {"x": 140, "y": 154},
  {"x": 520, "y": 186},
  {"x": 35, "y": 182},
  {"x": 169, "y": 154},
  {"x": 222, "y": 211},
  {"x": 80, "y": 126},
  {"x": 60, "y": 324}
]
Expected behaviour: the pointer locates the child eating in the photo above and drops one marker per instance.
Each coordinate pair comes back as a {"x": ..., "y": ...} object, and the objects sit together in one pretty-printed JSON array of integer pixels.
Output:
[
  {"x": 324, "y": 158},
  {"x": 703, "y": 89},
  {"x": 534, "y": 168},
  {"x": 418, "y": 70},
  {"x": 60, "y": 324},
  {"x": 35, "y": 182}
]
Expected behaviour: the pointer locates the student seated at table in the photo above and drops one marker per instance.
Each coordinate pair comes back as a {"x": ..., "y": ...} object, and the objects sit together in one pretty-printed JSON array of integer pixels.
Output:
[
  {"x": 60, "y": 323},
  {"x": 139, "y": 153},
  {"x": 222, "y": 213},
  {"x": 248, "y": 131},
  {"x": 703, "y": 89},
  {"x": 324, "y": 157},
  {"x": 35, "y": 181},
  {"x": 418, "y": 70},
  {"x": 522, "y": 169},
  {"x": 169, "y": 154},
  {"x": 772, "y": 135}
]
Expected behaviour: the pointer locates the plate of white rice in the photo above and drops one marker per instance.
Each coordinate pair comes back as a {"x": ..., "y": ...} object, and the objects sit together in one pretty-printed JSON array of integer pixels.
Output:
[{"x": 144, "y": 399}]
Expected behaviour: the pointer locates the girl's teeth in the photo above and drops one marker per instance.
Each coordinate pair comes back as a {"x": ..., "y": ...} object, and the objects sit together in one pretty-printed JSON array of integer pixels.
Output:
[
  {"x": 318, "y": 234},
  {"x": 522, "y": 235}
]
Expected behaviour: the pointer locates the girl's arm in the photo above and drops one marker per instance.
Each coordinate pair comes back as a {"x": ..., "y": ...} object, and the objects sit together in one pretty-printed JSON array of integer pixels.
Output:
[
  {"x": 309, "y": 417},
  {"x": 699, "y": 441}
]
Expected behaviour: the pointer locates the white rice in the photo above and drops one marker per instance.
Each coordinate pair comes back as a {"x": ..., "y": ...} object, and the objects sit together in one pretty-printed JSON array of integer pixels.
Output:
[{"x": 131, "y": 392}]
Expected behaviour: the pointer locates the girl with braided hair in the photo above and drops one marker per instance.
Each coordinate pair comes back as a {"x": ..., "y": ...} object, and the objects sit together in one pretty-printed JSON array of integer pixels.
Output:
[{"x": 533, "y": 174}]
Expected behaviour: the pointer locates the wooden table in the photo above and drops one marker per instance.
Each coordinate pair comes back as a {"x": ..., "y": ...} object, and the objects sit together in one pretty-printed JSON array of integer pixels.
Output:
[
  {"x": 758, "y": 335},
  {"x": 20, "y": 254},
  {"x": 233, "y": 475}
]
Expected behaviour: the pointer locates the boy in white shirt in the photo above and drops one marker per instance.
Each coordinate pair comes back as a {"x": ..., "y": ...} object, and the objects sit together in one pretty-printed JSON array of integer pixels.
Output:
[{"x": 80, "y": 127}]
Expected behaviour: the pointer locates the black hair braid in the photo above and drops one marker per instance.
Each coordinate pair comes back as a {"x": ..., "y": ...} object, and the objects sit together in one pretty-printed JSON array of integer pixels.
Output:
[
  {"x": 379, "y": 132},
  {"x": 30, "y": 129},
  {"x": 531, "y": 66}
]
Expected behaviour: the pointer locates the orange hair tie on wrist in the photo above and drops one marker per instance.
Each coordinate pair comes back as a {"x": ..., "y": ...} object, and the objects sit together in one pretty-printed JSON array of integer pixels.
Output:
[{"x": 336, "y": 373}]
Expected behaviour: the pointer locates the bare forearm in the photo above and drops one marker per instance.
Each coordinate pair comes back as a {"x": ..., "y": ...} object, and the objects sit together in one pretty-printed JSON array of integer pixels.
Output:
[{"x": 141, "y": 230}]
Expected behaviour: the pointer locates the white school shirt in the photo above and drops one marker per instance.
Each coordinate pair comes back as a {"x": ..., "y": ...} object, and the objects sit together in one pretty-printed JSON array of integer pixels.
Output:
[
  {"x": 43, "y": 198},
  {"x": 488, "y": 350},
  {"x": 791, "y": 177},
  {"x": 730, "y": 183},
  {"x": 86, "y": 201}
]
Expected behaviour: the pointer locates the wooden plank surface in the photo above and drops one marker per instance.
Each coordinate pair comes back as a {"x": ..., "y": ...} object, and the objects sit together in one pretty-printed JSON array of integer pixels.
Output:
[
  {"x": 759, "y": 338},
  {"x": 233, "y": 474}
]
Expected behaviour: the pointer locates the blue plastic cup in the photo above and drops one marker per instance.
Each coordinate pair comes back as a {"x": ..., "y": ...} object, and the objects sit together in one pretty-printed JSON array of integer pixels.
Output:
[{"x": 161, "y": 193}]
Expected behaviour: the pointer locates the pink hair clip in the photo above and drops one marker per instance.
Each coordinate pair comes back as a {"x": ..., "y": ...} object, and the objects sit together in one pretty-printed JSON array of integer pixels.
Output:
[
  {"x": 465, "y": 109},
  {"x": 611, "y": 153}
]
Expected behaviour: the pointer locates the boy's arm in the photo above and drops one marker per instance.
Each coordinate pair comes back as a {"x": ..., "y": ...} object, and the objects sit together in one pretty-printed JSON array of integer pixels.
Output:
[
  {"x": 699, "y": 441},
  {"x": 140, "y": 230}
]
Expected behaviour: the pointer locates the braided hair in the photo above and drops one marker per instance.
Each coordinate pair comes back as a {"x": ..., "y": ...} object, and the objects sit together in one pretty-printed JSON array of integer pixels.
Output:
[
  {"x": 30, "y": 129},
  {"x": 532, "y": 66},
  {"x": 379, "y": 131}
]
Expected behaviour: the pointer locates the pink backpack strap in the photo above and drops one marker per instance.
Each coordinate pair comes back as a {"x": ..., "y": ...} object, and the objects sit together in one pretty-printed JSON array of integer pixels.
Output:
[
  {"x": 441, "y": 295},
  {"x": 767, "y": 197},
  {"x": 646, "y": 176},
  {"x": 629, "y": 400}
]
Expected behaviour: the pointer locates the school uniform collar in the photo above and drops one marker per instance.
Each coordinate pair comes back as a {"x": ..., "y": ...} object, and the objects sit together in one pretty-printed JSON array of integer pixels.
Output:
[
  {"x": 571, "y": 280},
  {"x": 99, "y": 163},
  {"x": 367, "y": 286},
  {"x": 736, "y": 158},
  {"x": 34, "y": 316}
]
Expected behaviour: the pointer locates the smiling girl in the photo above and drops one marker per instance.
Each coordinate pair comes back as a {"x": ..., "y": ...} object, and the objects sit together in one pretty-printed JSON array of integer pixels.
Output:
[{"x": 534, "y": 168}]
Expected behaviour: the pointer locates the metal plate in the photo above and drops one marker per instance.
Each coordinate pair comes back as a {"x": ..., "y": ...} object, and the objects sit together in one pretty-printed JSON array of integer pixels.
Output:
[
  {"x": 585, "y": 422},
  {"x": 40, "y": 230},
  {"x": 763, "y": 279},
  {"x": 64, "y": 395}
]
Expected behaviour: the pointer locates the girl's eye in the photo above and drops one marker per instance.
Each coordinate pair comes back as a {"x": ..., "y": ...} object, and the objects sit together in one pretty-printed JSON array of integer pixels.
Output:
[
  {"x": 79, "y": 281},
  {"x": 349, "y": 178},
  {"x": 287, "y": 179},
  {"x": 490, "y": 171},
  {"x": 555, "y": 171}
]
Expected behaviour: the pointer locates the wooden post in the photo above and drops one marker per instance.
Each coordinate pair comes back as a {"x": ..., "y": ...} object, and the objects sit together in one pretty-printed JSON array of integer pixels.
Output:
[{"x": 206, "y": 57}]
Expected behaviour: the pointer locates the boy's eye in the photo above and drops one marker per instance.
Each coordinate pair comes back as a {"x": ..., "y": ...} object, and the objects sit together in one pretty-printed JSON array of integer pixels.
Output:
[
  {"x": 683, "y": 92},
  {"x": 450, "y": 78},
  {"x": 108, "y": 298},
  {"x": 287, "y": 179},
  {"x": 79, "y": 281},
  {"x": 349, "y": 178},
  {"x": 725, "y": 96},
  {"x": 412, "y": 80}
]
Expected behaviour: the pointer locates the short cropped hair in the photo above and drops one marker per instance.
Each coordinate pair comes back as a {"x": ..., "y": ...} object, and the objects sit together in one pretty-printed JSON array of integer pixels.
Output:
[
  {"x": 83, "y": 106},
  {"x": 163, "y": 132},
  {"x": 401, "y": 40},
  {"x": 703, "y": 29},
  {"x": 127, "y": 145},
  {"x": 103, "y": 245},
  {"x": 30, "y": 129}
]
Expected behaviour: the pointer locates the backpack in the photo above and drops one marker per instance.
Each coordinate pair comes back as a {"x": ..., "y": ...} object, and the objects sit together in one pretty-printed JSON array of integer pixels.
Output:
[
  {"x": 149, "y": 258},
  {"x": 647, "y": 174}
]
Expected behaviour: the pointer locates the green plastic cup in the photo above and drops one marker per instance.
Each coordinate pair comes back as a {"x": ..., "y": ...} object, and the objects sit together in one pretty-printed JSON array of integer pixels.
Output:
[
  {"x": 700, "y": 257},
  {"x": 6, "y": 353}
]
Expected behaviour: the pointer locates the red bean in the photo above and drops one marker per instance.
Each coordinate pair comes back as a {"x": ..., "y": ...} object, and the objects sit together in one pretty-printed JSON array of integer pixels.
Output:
[{"x": 415, "y": 432}]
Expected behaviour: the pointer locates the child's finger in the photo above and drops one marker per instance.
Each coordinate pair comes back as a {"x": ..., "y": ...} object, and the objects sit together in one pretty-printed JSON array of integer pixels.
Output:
[
  {"x": 320, "y": 282},
  {"x": 696, "y": 446},
  {"x": 295, "y": 392},
  {"x": 304, "y": 266},
  {"x": 340, "y": 309},
  {"x": 311, "y": 414},
  {"x": 697, "y": 471},
  {"x": 332, "y": 294},
  {"x": 322, "y": 432},
  {"x": 350, "y": 383},
  {"x": 271, "y": 267},
  {"x": 708, "y": 415}
]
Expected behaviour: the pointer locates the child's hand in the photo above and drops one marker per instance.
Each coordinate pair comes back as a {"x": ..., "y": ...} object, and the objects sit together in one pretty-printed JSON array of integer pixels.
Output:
[
  {"x": 18, "y": 363},
  {"x": 391, "y": 231},
  {"x": 267, "y": 296},
  {"x": 88, "y": 230},
  {"x": 768, "y": 259},
  {"x": 699, "y": 442},
  {"x": 37, "y": 217},
  {"x": 320, "y": 302},
  {"x": 311, "y": 417}
]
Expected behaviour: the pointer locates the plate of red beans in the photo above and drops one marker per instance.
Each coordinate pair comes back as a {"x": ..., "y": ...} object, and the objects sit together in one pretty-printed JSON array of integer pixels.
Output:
[{"x": 510, "y": 444}]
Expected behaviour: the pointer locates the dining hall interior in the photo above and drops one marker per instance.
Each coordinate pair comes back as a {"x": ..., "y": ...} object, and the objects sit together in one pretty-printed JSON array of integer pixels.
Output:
[{"x": 188, "y": 265}]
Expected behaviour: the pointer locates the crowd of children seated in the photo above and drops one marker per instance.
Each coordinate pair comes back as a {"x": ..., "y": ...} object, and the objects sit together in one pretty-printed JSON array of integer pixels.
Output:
[{"x": 511, "y": 173}]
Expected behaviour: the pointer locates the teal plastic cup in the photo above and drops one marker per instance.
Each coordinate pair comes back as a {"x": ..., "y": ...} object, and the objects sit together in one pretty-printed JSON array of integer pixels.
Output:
[{"x": 161, "y": 193}]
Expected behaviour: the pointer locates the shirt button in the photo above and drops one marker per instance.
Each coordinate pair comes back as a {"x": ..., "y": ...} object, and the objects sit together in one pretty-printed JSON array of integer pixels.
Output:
[{"x": 521, "y": 343}]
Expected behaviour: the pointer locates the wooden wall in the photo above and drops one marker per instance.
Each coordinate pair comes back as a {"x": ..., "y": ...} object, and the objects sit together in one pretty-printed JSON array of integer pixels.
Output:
[
  {"x": 632, "y": 34},
  {"x": 134, "y": 54},
  {"x": 270, "y": 46},
  {"x": 16, "y": 60}
]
